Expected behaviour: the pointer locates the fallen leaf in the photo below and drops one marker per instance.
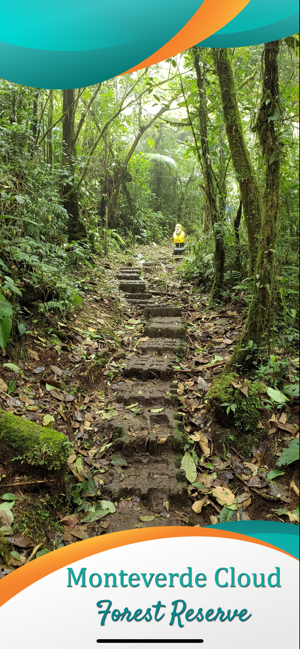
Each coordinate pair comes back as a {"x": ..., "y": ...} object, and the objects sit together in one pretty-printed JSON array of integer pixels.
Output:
[
  {"x": 290, "y": 428},
  {"x": 223, "y": 496},
  {"x": 6, "y": 517},
  {"x": 166, "y": 504},
  {"x": 255, "y": 482},
  {"x": 250, "y": 466},
  {"x": 198, "y": 505},
  {"x": 189, "y": 467},
  {"x": 70, "y": 520},
  {"x": 180, "y": 389},
  {"x": 157, "y": 410},
  {"x": 145, "y": 519},
  {"x": 244, "y": 500},
  {"x": 38, "y": 370},
  {"x": 56, "y": 395},
  {"x": 202, "y": 385},
  {"x": 203, "y": 441},
  {"x": 3, "y": 385},
  {"x": 33, "y": 354},
  {"x": 20, "y": 541},
  {"x": 56, "y": 370},
  {"x": 283, "y": 418},
  {"x": 207, "y": 481},
  {"x": 214, "y": 520}
]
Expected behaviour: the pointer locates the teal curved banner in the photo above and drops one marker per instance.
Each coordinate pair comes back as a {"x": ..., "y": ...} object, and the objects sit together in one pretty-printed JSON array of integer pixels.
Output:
[
  {"x": 281, "y": 535},
  {"x": 261, "y": 21},
  {"x": 73, "y": 44}
]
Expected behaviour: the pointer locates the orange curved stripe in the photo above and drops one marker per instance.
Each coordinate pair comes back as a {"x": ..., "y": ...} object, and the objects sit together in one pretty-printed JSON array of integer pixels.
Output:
[
  {"x": 208, "y": 19},
  {"x": 27, "y": 575}
]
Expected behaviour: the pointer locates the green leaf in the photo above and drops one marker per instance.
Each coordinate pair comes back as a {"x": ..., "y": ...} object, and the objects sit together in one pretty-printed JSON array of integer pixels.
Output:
[
  {"x": 91, "y": 487},
  {"x": 119, "y": 461},
  {"x": 289, "y": 454},
  {"x": 21, "y": 328},
  {"x": 8, "y": 496},
  {"x": 225, "y": 515},
  {"x": 11, "y": 366},
  {"x": 6, "y": 310},
  {"x": 274, "y": 474},
  {"x": 76, "y": 299},
  {"x": 6, "y": 530},
  {"x": 157, "y": 410},
  {"x": 276, "y": 395},
  {"x": 79, "y": 464},
  {"x": 292, "y": 390},
  {"x": 41, "y": 553},
  {"x": 108, "y": 506},
  {"x": 15, "y": 555},
  {"x": 11, "y": 387},
  {"x": 6, "y": 506},
  {"x": 189, "y": 467},
  {"x": 280, "y": 512},
  {"x": 47, "y": 421},
  {"x": 198, "y": 485},
  {"x": 5, "y": 329}
]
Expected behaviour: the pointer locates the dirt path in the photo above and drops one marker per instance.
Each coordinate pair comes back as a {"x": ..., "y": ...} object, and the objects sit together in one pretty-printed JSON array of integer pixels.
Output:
[{"x": 126, "y": 381}]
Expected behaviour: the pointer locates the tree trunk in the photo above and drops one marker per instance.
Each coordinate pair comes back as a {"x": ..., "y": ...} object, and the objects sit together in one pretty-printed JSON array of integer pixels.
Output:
[
  {"x": 236, "y": 225},
  {"x": 50, "y": 118},
  {"x": 76, "y": 229},
  {"x": 261, "y": 307},
  {"x": 123, "y": 167},
  {"x": 239, "y": 153},
  {"x": 211, "y": 211}
]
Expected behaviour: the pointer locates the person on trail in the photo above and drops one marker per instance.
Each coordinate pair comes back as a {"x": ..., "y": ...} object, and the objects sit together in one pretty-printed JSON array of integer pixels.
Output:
[{"x": 179, "y": 239}]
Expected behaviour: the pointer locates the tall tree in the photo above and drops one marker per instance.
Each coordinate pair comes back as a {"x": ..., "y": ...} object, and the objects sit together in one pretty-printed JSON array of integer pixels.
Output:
[
  {"x": 76, "y": 229},
  {"x": 260, "y": 311},
  {"x": 240, "y": 155},
  {"x": 210, "y": 182}
]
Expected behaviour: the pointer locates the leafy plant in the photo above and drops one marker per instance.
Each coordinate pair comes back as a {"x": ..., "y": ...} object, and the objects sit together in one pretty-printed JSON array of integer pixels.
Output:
[{"x": 289, "y": 454}]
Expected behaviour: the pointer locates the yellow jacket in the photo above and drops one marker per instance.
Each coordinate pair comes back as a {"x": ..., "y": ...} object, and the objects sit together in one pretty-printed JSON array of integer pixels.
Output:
[{"x": 179, "y": 238}]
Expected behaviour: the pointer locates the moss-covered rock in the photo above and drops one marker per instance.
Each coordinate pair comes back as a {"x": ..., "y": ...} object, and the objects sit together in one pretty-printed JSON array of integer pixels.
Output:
[
  {"x": 179, "y": 440},
  {"x": 32, "y": 443},
  {"x": 242, "y": 411}
]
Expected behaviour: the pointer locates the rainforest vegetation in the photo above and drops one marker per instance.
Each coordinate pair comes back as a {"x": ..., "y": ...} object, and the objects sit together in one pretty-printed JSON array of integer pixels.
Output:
[{"x": 96, "y": 176}]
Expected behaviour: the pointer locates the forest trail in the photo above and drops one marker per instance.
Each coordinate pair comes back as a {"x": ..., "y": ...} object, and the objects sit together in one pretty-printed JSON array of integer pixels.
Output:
[
  {"x": 150, "y": 435},
  {"x": 126, "y": 380}
]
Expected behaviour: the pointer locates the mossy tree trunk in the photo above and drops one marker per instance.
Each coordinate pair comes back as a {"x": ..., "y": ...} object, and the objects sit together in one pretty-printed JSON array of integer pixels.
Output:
[
  {"x": 76, "y": 229},
  {"x": 261, "y": 307},
  {"x": 33, "y": 444},
  {"x": 239, "y": 153},
  {"x": 211, "y": 205}
]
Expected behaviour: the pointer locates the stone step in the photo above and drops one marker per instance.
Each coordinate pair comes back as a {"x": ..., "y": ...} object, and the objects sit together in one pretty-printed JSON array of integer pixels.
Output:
[
  {"x": 163, "y": 311},
  {"x": 149, "y": 367},
  {"x": 161, "y": 346},
  {"x": 138, "y": 296},
  {"x": 141, "y": 304},
  {"x": 151, "y": 477},
  {"x": 132, "y": 286},
  {"x": 129, "y": 275},
  {"x": 165, "y": 328},
  {"x": 151, "y": 395}
]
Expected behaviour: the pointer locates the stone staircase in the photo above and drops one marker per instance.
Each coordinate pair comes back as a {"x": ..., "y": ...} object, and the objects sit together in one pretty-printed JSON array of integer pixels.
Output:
[{"x": 148, "y": 433}]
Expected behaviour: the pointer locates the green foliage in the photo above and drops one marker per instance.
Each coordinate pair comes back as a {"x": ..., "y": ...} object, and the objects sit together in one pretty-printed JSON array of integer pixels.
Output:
[
  {"x": 245, "y": 409},
  {"x": 289, "y": 454}
]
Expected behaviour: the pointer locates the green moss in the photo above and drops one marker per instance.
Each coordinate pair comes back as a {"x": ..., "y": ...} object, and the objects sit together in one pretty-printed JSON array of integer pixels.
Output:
[
  {"x": 180, "y": 351},
  {"x": 34, "y": 444},
  {"x": 179, "y": 440},
  {"x": 246, "y": 409}
]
